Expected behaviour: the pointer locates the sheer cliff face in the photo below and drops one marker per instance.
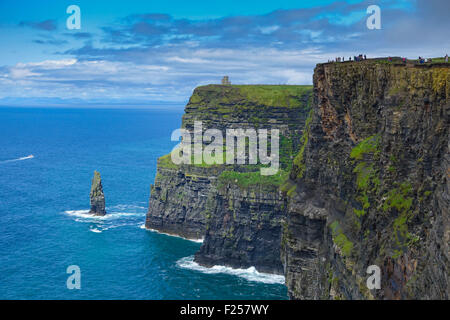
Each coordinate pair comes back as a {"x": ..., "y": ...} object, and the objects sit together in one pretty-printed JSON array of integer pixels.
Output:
[
  {"x": 178, "y": 199},
  {"x": 238, "y": 213},
  {"x": 370, "y": 185}
]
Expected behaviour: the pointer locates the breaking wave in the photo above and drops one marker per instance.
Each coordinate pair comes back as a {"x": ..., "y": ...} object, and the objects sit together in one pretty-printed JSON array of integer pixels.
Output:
[
  {"x": 250, "y": 274},
  {"x": 18, "y": 159},
  {"x": 84, "y": 214},
  {"x": 116, "y": 216},
  {"x": 171, "y": 235}
]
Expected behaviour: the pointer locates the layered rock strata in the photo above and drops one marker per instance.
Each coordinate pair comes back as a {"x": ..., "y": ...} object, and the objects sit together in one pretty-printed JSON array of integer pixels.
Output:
[
  {"x": 370, "y": 186},
  {"x": 237, "y": 211}
]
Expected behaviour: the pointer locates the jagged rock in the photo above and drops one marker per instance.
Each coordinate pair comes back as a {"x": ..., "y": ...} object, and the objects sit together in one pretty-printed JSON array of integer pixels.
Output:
[{"x": 97, "y": 196}]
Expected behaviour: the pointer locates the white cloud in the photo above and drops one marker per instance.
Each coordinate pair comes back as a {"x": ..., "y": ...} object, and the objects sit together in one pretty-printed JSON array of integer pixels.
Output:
[
  {"x": 269, "y": 29},
  {"x": 21, "y": 73},
  {"x": 167, "y": 76},
  {"x": 48, "y": 64}
]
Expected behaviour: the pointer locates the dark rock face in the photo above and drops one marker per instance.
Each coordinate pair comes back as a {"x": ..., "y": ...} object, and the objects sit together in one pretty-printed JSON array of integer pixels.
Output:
[
  {"x": 244, "y": 229},
  {"x": 371, "y": 187},
  {"x": 178, "y": 200},
  {"x": 97, "y": 196},
  {"x": 241, "y": 222}
]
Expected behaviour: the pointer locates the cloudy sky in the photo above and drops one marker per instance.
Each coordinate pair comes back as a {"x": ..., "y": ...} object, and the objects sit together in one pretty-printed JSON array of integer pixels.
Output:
[{"x": 151, "y": 53}]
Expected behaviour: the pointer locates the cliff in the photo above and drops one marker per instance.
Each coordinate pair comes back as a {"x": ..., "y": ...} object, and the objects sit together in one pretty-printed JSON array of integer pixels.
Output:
[
  {"x": 237, "y": 211},
  {"x": 363, "y": 182},
  {"x": 97, "y": 197},
  {"x": 244, "y": 222},
  {"x": 370, "y": 185}
]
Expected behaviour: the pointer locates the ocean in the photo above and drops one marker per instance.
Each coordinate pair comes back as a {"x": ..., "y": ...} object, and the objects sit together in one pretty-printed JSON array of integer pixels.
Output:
[{"x": 47, "y": 160}]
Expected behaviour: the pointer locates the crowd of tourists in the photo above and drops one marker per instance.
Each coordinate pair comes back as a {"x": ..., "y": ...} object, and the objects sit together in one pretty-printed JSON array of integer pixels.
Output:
[
  {"x": 423, "y": 60},
  {"x": 360, "y": 57}
]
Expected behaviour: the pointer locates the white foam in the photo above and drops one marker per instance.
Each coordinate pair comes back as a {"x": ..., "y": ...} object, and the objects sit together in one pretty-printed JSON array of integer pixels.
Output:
[
  {"x": 83, "y": 214},
  {"x": 250, "y": 274},
  {"x": 109, "y": 216},
  {"x": 172, "y": 235},
  {"x": 125, "y": 207},
  {"x": 79, "y": 213},
  {"x": 19, "y": 159},
  {"x": 109, "y": 221},
  {"x": 117, "y": 215}
]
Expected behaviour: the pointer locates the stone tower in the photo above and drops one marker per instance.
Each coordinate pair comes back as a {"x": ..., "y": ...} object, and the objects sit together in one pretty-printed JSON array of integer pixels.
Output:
[{"x": 225, "y": 81}]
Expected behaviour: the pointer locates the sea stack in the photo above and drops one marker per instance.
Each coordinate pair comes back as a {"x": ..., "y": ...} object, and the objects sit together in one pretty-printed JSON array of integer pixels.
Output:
[{"x": 97, "y": 196}]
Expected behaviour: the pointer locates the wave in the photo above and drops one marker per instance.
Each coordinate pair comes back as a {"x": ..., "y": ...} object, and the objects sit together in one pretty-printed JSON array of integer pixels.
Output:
[
  {"x": 171, "y": 235},
  {"x": 250, "y": 274},
  {"x": 126, "y": 207},
  {"x": 116, "y": 216},
  {"x": 109, "y": 216},
  {"x": 19, "y": 159}
]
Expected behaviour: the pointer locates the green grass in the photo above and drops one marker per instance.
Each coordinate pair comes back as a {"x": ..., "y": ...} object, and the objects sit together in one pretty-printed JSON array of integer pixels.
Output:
[
  {"x": 275, "y": 95},
  {"x": 286, "y": 152},
  {"x": 166, "y": 162},
  {"x": 396, "y": 60},
  {"x": 367, "y": 181},
  {"x": 398, "y": 198},
  {"x": 340, "y": 239},
  {"x": 228, "y": 99},
  {"x": 427, "y": 193},
  {"x": 366, "y": 176},
  {"x": 299, "y": 160},
  {"x": 246, "y": 180},
  {"x": 369, "y": 145},
  {"x": 289, "y": 188},
  {"x": 434, "y": 60}
]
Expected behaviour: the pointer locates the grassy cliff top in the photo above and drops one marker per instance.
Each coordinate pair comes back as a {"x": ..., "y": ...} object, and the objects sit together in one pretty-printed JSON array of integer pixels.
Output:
[
  {"x": 283, "y": 96},
  {"x": 402, "y": 79},
  {"x": 397, "y": 61}
]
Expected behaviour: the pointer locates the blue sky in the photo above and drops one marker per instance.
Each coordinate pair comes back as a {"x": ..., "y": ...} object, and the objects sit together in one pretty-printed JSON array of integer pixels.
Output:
[{"x": 156, "y": 52}]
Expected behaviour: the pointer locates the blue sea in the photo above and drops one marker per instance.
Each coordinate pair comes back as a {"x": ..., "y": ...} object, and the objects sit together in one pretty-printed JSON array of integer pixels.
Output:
[{"x": 47, "y": 160}]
